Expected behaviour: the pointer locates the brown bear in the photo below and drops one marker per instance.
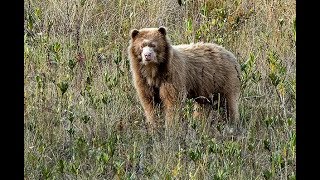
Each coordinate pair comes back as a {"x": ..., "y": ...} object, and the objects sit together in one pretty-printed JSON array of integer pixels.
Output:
[{"x": 169, "y": 74}]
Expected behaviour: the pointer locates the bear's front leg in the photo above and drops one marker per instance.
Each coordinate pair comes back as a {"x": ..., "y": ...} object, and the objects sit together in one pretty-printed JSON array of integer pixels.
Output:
[
  {"x": 169, "y": 97},
  {"x": 149, "y": 113},
  {"x": 146, "y": 99}
]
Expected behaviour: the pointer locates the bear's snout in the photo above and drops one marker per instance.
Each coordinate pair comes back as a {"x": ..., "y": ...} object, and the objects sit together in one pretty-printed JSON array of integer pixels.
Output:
[{"x": 148, "y": 54}]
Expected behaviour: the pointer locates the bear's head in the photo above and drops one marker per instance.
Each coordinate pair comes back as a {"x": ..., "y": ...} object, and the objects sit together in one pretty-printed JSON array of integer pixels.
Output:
[{"x": 149, "y": 45}]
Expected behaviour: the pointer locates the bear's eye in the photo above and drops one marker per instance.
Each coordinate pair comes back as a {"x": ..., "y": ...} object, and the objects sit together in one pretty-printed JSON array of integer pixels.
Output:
[
  {"x": 153, "y": 45},
  {"x": 143, "y": 45}
]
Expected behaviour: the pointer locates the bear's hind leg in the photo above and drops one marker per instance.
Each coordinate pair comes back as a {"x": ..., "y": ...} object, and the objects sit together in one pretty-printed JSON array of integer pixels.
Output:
[{"x": 232, "y": 108}]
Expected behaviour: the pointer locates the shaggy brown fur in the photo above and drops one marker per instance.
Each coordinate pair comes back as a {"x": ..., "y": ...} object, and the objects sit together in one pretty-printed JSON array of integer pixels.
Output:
[{"x": 179, "y": 72}]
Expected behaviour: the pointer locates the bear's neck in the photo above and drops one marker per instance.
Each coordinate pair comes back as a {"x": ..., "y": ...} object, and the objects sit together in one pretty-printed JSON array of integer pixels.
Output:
[{"x": 154, "y": 74}]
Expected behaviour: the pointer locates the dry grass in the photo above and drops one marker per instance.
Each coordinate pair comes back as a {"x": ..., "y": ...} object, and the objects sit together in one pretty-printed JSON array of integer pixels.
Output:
[{"x": 82, "y": 116}]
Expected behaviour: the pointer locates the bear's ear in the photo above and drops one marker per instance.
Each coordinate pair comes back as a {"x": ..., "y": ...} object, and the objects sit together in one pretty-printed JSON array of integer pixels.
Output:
[
  {"x": 162, "y": 30},
  {"x": 134, "y": 33}
]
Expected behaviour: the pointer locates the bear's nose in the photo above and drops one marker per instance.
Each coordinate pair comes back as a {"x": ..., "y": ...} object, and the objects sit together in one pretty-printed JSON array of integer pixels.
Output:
[{"x": 147, "y": 56}]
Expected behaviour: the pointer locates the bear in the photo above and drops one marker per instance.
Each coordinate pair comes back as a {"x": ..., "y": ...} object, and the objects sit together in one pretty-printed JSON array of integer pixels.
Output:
[{"x": 169, "y": 74}]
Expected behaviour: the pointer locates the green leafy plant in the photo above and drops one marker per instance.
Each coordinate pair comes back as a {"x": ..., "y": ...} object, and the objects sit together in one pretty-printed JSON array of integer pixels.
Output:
[
  {"x": 277, "y": 70},
  {"x": 249, "y": 72},
  {"x": 61, "y": 166},
  {"x": 56, "y": 49},
  {"x": 63, "y": 86},
  {"x": 267, "y": 145},
  {"x": 214, "y": 146},
  {"x": 220, "y": 174},
  {"x": 71, "y": 64},
  {"x": 85, "y": 119},
  {"x": 118, "y": 56},
  {"x": 267, "y": 174}
]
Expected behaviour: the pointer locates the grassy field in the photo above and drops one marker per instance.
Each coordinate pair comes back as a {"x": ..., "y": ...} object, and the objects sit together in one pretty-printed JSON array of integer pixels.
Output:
[{"x": 82, "y": 117}]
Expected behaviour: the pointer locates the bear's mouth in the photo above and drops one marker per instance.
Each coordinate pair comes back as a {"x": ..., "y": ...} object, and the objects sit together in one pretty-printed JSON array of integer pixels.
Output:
[{"x": 148, "y": 62}]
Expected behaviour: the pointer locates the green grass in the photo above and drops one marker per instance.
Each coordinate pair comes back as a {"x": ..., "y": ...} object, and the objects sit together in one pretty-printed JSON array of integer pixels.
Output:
[{"x": 82, "y": 116}]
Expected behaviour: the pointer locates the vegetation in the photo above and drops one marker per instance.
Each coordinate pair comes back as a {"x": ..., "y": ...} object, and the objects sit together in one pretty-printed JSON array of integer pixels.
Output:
[{"x": 82, "y": 116}]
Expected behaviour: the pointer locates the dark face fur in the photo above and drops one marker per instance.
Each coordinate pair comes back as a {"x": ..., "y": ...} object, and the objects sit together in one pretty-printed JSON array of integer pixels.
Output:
[{"x": 149, "y": 45}]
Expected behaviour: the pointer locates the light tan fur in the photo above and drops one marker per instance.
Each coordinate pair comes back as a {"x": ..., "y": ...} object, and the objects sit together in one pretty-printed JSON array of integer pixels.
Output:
[{"x": 182, "y": 71}]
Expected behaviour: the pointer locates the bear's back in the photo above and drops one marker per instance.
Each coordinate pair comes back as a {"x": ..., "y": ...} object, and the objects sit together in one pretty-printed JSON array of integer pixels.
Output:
[{"x": 208, "y": 67}]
